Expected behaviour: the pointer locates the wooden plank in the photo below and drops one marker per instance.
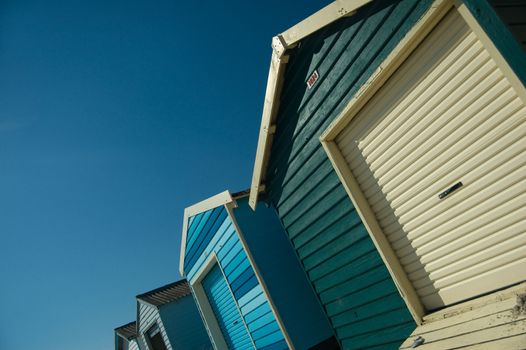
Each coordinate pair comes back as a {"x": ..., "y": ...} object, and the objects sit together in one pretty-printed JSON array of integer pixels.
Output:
[
  {"x": 339, "y": 228},
  {"x": 383, "y": 305},
  {"x": 270, "y": 106},
  {"x": 359, "y": 267},
  {"x": 517, "y": 342},
  {"x": 323, "y": 226},
  {"x": 369, "y": 325},
  {"x": 474, "y": 336},
  {"x": 488, "y": 328},
  {"x": 320, "y": 19},
  {"x": 354, "y": 234},
  {"x": 478, "y": 313},
  {"x": 374, "y": 275},
  {"x": 373, "y": 340},
  {"x": 341, "y": 259}
]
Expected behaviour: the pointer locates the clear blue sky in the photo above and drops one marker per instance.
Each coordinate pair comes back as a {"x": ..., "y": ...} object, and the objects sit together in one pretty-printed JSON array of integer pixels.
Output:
[{"x": 114, "y": 116}]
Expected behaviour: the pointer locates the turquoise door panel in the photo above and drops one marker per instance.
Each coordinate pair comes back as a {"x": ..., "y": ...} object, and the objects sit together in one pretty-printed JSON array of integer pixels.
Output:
[{"x": 225, "y": 310}]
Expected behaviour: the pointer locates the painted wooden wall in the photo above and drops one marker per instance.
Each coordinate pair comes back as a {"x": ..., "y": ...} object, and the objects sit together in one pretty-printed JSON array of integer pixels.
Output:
[
  {"x": 213, "y": 232},
  {"x": 180, "y": 324},
  {"x": 513, "y": 12},
  {"x": 184, "y": 326},
  {"x": 283, "y": 275},
  {"x": 148, "y": 316},
  {"x": 341, "y": 262},
  {"x": 504, "y": 21},
  {"x": 127, "y": 344},
  {"x": 133, "y": 345}
]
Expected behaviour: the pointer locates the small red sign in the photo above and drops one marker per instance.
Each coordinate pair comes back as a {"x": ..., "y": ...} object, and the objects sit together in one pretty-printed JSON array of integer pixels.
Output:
[{"x": 313, "y": 79}]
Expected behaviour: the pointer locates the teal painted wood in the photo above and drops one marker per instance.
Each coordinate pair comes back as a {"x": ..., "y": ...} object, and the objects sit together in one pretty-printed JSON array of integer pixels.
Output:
[
  {"x": 118, "y": 341},
  {"x": 226, "y": 311},
  {"x": 121, "y": 343},
  {"x": 213, "y": 232},
  {"x": 202, "y": 231},
  {"x": 133, "y": 345},
  {"x": 148, "y": 315},
  {"x": 183, "y": 325},
  {"x": 285, "y": 280},
  {"x": 508, "y": 45},
  {"x": 337, "y": 254},
  {"x": 340, "y": 260}
]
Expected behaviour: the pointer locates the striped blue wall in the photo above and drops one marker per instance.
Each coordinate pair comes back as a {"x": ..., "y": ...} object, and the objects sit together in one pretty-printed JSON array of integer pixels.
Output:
[
  {"x": 127, "y": 344},
  {"x": 213, "y": 232},
  {"x": 147, "y": 317}
]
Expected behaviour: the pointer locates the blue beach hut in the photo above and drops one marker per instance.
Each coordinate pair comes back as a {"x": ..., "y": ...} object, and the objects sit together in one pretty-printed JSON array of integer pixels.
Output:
[
  {"x": 248, "y": 284},
  {"x": 126, "y": 337},
  {"x": 168, "y": 319}
]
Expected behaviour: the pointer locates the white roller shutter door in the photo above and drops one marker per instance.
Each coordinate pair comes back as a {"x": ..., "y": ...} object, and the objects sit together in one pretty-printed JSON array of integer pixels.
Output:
[{"x": 447, "y": 115}]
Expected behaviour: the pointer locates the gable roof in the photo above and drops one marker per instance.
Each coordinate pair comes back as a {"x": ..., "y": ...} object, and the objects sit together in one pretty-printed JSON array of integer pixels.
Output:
[
  {"x": 207, "y": 204},
  {"x": 166, "y": 294},
  {"x": 507, "y": 11},
  {"x": 219, "y": 199},
  {"x": 280, "y": 44},
  {"x": 127, "y": 331}
]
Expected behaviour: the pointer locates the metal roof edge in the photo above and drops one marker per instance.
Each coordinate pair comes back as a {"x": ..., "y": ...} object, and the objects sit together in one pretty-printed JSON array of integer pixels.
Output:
[{"x": 280, "y": 44}]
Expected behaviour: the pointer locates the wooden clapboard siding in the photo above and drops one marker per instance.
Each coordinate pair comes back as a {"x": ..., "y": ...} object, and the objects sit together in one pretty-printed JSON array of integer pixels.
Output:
[
  {"x": 225, "y": 310},
  {"x": 339, "y": 257},
  {"x": 201, "y": 232},
  {"x": 148, "y": 316},
  {"x": 133, "y": 345},
  {"x": 212, "y": 232}
]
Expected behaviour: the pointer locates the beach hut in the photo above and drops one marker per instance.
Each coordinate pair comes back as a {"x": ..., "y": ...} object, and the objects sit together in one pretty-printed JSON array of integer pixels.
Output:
[
  {"x": 248, "y": 283},
  {"x": 168, "y": 319},
  {"x": 392, "y": 146},
  {"x": 126, "y": 337}
]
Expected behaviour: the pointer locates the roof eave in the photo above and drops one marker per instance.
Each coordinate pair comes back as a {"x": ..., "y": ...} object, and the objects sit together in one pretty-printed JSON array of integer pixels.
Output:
[
  {"x": 280, "y": 44},
  {"x": 141, "y": 300},
  {"x": 124, "y": 335}
]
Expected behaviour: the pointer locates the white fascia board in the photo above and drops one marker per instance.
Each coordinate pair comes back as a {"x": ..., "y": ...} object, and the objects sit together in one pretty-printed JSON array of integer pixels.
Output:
[
  {"x": 270, "y": 107},
  {"x": 320, "y": 19},
  {"x": 280, "y": 44},
  {"x": 212, "y": 202}
]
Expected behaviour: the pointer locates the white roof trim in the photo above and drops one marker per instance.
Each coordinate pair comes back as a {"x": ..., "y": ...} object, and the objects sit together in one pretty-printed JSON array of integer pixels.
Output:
[
  {"x": 280, "y": 44},
  {"x": 320, "y": 19},
  {"x": 212, "y": 202}
]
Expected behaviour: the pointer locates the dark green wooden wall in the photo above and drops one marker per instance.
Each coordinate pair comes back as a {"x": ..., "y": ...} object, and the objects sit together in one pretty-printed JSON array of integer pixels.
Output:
[
  {"x": 355, "y": 288},
  {"x": 352, "y": 283}
]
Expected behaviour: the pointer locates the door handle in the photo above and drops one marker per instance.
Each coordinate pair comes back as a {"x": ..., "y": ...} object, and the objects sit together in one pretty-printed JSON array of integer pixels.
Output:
[{"x": 450, "y": 190}]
